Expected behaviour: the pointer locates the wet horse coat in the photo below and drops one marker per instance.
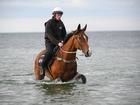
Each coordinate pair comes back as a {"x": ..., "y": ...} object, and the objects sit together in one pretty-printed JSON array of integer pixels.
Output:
[{"x": 64, "y": 65}]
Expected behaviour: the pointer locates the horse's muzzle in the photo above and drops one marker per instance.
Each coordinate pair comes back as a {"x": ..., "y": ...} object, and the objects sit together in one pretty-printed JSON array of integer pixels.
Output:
[{"x": 88, "y": 53}]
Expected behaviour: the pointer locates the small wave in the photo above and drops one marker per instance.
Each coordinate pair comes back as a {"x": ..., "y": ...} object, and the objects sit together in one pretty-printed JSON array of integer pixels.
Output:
[
  {"x": 19, "y": 79},
  {"x": 49, "y": 82},
  {"x": 29, "y": 74}
]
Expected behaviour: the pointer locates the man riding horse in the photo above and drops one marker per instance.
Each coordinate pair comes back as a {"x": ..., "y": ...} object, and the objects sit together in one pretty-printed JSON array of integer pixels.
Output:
[{"x": 55, "y": 33}]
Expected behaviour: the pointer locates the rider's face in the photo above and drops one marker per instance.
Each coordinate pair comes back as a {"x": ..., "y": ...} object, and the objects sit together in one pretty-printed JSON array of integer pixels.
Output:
[{"x": 58, "y": 16}]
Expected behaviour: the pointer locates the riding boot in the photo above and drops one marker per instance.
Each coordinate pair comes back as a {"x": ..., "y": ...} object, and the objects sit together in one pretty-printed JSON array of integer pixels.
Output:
[
  {"x": 46, "y": 59},
  {"x": 43, "y": 68}
]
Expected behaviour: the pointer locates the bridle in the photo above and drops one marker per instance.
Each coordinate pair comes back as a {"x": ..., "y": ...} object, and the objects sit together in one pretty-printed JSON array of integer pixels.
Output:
[
  {"x": 70, "y": 52},
  {"x": 73, "y": 52},
  {"x": 80, "y": 43}
]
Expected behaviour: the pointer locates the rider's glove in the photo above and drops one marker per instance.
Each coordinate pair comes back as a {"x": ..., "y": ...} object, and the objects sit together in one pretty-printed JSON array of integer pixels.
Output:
[{"x": 60, "y": 44}]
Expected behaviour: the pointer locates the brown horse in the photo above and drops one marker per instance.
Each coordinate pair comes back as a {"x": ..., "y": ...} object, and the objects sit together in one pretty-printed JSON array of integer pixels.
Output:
[{"x": 64, "y": 66}]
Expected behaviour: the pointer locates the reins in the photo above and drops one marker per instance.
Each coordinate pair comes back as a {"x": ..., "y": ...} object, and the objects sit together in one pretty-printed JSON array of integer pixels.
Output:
[
  {"x": 71, "y": 52},
  {"x": 68, "y": 52}
]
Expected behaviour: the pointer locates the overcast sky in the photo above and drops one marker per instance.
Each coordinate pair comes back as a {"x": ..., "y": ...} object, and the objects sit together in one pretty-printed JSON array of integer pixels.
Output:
[{"x": 99, "y": 15}]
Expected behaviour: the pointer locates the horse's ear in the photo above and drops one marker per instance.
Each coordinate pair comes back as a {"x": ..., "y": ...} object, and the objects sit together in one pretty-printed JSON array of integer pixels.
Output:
[
  {"x": 84, "y": 29},
  {"x": 79, "y": 27}
]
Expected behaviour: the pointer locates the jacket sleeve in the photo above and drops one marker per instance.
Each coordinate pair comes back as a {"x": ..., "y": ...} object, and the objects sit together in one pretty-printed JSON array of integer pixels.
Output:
[
  {"x": 64, "y": 31},
  {"x": 50, "y": 34}
]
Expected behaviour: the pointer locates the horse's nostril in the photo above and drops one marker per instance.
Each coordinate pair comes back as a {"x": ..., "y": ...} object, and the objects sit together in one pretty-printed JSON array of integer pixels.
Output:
[{"x": 88, "y": 54}]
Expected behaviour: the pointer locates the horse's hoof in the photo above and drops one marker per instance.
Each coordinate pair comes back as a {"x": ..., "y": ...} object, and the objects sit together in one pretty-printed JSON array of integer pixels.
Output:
[
  {"x": 83, "y": 78},
  {"x": 57, "y": 80},
  {"x": 80, "y": 77},
  {"x": 42, "y": 77}
]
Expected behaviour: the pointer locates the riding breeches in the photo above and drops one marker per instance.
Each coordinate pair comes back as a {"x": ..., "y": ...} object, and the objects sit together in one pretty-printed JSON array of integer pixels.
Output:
[{"x": 48, "y": 54}]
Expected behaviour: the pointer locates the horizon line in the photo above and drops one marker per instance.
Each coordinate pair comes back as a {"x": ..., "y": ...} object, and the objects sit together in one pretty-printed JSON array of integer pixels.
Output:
[{"x": 70, "y": 31}]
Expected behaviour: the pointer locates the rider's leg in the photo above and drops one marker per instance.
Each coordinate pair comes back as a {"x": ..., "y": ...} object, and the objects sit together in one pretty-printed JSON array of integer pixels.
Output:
[{"x": 46, "y": 59}]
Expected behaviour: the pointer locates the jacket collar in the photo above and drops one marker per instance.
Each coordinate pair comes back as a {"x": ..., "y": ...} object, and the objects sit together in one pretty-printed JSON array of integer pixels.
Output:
[{"x": 55, "y": 19}]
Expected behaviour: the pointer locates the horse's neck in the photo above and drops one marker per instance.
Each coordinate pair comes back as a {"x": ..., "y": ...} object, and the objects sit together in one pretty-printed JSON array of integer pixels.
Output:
[{"x": 69, "y": 47}]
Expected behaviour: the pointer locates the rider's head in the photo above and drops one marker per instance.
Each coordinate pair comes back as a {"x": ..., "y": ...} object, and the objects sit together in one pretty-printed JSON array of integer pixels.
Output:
[{"x": 57, "y": 13}]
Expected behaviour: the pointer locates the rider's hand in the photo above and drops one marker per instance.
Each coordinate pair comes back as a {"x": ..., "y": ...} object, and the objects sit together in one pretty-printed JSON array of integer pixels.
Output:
[{"x": 60, "y": 44}]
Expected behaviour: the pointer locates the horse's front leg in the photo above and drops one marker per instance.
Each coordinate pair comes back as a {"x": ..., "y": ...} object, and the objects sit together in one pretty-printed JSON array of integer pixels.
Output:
[
  {"x": 79, "y": 76},
  {"x": 58, "y": 80}
]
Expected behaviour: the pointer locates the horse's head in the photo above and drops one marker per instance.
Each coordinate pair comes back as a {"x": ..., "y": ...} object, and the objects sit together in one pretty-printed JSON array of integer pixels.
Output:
[{"x": 81, "y": 41}]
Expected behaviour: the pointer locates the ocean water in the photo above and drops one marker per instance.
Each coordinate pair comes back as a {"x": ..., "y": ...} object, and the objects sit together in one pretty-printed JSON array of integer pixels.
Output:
[{"x": 112, "y": 72}]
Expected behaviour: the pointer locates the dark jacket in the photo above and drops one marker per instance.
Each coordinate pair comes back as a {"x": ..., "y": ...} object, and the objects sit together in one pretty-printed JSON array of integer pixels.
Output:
[{"x": 54, "y": 31}]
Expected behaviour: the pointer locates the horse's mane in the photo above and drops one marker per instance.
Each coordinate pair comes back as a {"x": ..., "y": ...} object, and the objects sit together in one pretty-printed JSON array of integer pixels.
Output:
[{"x": 68, "y": 36}]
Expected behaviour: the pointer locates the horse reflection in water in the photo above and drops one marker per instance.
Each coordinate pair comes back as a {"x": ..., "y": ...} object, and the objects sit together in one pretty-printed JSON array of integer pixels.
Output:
[
  {"x": 64, "y": 66},
  {"x": 53, "y": 89}
]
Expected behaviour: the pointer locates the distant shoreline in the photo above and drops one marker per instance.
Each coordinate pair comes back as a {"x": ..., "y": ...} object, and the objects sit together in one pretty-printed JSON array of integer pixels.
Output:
[{"x": 70, "y": 31}]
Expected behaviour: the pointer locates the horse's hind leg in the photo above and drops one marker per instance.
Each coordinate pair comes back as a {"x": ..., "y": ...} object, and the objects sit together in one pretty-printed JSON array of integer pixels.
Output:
[{"x": 37, "y": 70}]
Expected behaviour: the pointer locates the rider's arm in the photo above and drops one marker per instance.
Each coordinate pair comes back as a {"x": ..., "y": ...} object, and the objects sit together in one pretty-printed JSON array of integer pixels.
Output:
[
  {"x": 49, "y": 33},
  {"x": 63, "y": 31}
]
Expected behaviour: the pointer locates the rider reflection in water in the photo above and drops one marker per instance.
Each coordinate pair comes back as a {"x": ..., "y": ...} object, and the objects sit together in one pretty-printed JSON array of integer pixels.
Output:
[{"x": 55, "y": 33}]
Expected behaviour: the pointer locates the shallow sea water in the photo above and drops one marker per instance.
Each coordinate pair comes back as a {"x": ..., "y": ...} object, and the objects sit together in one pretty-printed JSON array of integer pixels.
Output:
[{"x": 112, "y": 72}]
